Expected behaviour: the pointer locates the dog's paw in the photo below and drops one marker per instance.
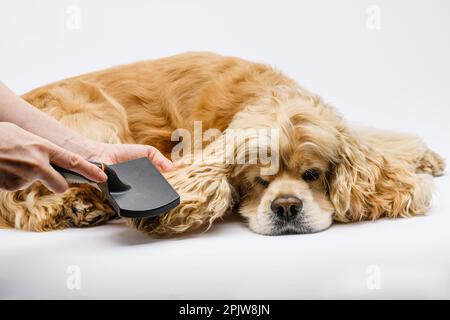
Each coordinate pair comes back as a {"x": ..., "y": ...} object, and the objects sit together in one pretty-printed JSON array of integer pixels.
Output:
[
  {"x": 431, "y": 163},
  {"x": 85, "y": 206}
]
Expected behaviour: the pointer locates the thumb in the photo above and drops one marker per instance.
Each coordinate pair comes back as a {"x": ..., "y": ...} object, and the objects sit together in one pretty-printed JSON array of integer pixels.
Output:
[
  {"x": 74, "y": 162},
  {"x": 159, "y": 159},
  {"x": 126, "y": 152}
]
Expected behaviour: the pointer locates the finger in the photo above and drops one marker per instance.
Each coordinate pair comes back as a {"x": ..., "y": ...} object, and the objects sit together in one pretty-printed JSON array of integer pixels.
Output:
[
  {"x": 76, "y": 163},
  {"x": 135, "y": 151},
  {"x": 16, "y": 175},
  {"x": 53, "y": 180},
  {"x": 25, "y": 184},
  {"x": 13, "y": 183},
  {"x": 159, "y": 159}
]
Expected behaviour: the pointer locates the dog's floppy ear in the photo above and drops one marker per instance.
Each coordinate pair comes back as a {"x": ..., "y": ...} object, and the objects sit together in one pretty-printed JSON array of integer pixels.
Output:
[
  {"x": 204, "y": 189},
  {"x": 365, "y": 184}
]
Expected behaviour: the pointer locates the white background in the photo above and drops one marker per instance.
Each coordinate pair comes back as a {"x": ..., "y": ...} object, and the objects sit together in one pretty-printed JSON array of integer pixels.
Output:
[{"x": 396, "y": 77}]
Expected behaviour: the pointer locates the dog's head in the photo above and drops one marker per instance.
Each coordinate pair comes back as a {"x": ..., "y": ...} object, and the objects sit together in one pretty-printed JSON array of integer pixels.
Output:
[
  {"x": 294, "y": 197},
  {"x": 324, "y": 171}
]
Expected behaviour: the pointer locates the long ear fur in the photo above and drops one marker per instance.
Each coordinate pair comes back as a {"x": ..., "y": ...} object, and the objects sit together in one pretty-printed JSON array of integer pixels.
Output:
[
  {"x": 205, "y": 192},
  {"x": 366, "y": 184}
]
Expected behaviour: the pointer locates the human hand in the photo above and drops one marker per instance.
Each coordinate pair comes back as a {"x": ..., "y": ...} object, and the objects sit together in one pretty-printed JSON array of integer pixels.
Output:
[
  {"x": 25, "y": 158},
  {"x": 116, "y": 153}
]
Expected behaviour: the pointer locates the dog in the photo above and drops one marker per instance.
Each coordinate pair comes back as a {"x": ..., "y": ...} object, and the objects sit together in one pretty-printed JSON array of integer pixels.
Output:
[{"x": 327, "y": 171}]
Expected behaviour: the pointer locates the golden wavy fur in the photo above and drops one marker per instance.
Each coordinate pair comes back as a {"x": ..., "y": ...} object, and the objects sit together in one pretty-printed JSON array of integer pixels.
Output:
[{"x": 327, "y": 171}]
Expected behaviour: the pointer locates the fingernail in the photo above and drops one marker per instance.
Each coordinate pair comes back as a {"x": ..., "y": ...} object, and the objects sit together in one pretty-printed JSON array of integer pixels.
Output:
[
  {"x": 168, "y": 165},
  {"x": 62, "y": 189},
  {"x": 102, "y": 175}
]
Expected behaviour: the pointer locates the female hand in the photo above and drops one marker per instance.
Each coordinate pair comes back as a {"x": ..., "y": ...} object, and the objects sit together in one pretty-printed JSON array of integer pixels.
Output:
[
  {"x": 28, "y": 148},
  {"x": 25, "y": 158},
  {"x": 116, "y": 153}
]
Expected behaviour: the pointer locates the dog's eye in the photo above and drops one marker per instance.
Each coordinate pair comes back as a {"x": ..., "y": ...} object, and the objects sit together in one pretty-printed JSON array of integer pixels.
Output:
[
  {"x": 262, "y": 182},
  {"x": 311, "y": 175}
]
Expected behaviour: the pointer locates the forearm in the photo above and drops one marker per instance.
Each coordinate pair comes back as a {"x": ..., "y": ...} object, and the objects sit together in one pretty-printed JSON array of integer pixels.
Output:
[{"x": 16, "y": 110}]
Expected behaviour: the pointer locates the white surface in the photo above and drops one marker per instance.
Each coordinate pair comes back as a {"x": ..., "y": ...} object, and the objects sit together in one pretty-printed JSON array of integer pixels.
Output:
[{"x": 397, "y": 77}]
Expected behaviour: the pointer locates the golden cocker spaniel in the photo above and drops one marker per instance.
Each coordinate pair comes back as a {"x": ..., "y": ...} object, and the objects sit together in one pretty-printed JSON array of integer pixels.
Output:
[{"x": 324, "y": 169}]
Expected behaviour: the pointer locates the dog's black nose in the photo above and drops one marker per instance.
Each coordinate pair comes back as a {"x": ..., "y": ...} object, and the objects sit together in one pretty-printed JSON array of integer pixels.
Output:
[{"x": 286, "y": 207}]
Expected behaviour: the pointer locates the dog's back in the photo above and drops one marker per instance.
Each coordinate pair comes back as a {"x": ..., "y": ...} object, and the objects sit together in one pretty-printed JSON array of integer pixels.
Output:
[{"x": 146, "y": 101}]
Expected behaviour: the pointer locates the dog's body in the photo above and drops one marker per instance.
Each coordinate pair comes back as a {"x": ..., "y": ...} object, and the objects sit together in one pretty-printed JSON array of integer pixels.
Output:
[{"x": 327, "y": 170}]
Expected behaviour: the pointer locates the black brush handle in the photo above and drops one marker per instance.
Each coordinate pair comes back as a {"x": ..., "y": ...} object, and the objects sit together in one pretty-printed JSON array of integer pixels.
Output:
[{"x": 114, "y": 182}]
